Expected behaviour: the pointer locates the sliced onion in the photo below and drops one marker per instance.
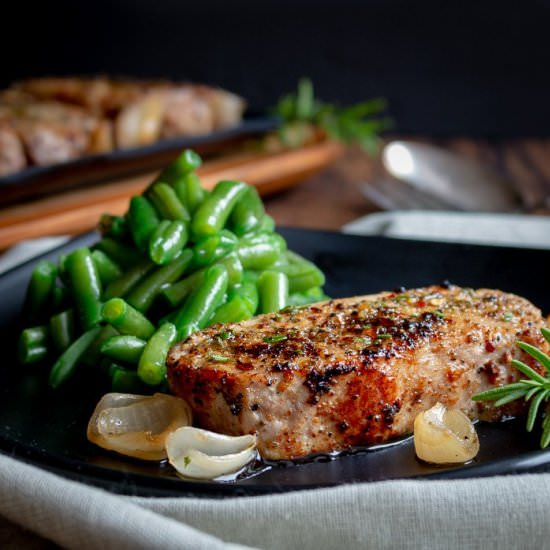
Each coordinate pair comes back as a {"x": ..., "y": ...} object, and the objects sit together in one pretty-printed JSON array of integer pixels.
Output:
[
  {"x": 201, "y": 454},
  {"x": 137, "y": 425},
  {"x": 445, "y": 436}
]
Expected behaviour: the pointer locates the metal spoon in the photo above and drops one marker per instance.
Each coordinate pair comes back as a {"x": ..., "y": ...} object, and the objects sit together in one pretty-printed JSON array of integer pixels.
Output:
[{"x": 460, "y": 183}]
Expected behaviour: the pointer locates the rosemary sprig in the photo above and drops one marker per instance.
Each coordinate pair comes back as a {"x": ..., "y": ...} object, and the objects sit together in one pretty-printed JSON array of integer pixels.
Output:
[
  {"x": 535, "y": 388},
  {"x": 301, "y": 113}
]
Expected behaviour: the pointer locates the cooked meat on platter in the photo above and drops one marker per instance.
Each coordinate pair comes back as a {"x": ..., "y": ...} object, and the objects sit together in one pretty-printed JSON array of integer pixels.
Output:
[
  {"x": 12, "y": 154},
  {"x": 50, "y": 132},
  {"x": 356, "y": 371},
  {"x": 58, "y": 119}
]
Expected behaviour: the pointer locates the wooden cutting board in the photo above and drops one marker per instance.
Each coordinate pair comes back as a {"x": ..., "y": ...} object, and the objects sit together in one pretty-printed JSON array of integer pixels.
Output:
[{"x": 79, "y": 210}]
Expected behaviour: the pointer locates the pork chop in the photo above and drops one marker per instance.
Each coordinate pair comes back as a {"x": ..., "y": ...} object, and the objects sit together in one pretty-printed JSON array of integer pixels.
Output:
[{"x": 354, "y": 371}]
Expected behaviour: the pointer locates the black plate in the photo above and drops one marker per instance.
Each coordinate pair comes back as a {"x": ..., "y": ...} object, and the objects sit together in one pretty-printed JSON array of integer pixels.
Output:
[
  {"x": 41, "y": 180},
  {"x": 48, "y": 428}
]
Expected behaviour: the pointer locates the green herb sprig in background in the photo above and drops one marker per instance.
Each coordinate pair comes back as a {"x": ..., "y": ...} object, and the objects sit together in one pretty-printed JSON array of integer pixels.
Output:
[
  {"x": 534, "y": 388},
  {"x": 301, "y": 113}
]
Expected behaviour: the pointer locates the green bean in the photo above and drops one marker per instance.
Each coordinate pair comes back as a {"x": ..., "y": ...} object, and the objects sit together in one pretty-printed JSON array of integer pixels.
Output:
[
  {"x": 122, "y": 254},
  {"x": 62, "y": 269},
  {"x": 127, "y": 319},
  {"x": 143, "y": 221},
  {"x": 190, "y": 191},
  {"x": 234, "y": 267},
  {"x": 93, "y": 354},
  {"x": 267, "y": 225},
  {"x": 124, "y": 284},
  {"x": 202, "y": 303},
  {"x": 124, "y": 380},
  {"x": 60, "y": 297},
  {"x": 144, "y": 293},
  {"x": 152, "y": 363},
  {"x": 167, "y": 241},
  {"x": 85, "y": 287},
  {"x": 123, "y": 347},
  {"x": 311, "y": 296},
  {"x": 248, "y": 213},
  {"x": 214, "y": 247},
  {"x": 107, "y": 270},
  {"x": 273, "y": 290},
  {"x": 40, "y": 289},
  {"x": 176, "y": 293},
  {"x": 233, "y": 311},
  {"x": 187, "y": 162},
  {"x": 183, "y": 165},
  {"x": 214, "y": 211},
  {"x": 66, "y": 364},
  {"x": 113, "y": 226},
  {"x": 32, "y": 345},
  {"x": 302, "y": 276},
  {"x": 248, "y": 291},
  {"x": 294, "y": 257},
  {"x": 62, "y": 330},
  {"x": 261, "y": 250},
  {"x": 167, "y": 203}
]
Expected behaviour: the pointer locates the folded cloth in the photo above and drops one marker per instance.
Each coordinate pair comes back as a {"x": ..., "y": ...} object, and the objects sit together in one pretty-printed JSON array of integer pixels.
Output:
[
  {"x": 465, "y": 227},
  {"x": 500, "y": 512}
]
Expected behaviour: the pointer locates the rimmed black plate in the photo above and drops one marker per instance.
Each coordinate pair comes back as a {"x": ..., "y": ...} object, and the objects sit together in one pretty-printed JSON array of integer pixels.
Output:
[
  {"x": 47, "y": 428},
  {"x": 41, "y": 180}
]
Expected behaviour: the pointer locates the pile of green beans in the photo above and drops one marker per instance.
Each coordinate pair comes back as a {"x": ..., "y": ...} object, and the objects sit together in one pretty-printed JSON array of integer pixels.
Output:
[{"x": 181, "y": 259}]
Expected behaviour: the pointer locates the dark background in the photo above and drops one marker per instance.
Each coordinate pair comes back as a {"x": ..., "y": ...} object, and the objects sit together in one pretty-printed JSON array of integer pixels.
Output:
[{"x": 463, "y": 68}]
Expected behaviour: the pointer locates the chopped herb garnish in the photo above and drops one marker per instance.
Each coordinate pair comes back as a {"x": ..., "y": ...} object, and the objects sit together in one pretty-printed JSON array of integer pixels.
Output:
[
  {"x": 275, "y": 338},
  {"x": 508, "y": 316},
  {"x": 186, "y": 460},
  {"x": 225, "y": 334},
  {"x": 381, "y": 337},
  {"x": 367, "y": 327},
  {"x": 366, "y": 341},
  {"x": 439, "y": 314},
  {"x": 218, "y": 358},
  {"x": 401, "y": 297}
]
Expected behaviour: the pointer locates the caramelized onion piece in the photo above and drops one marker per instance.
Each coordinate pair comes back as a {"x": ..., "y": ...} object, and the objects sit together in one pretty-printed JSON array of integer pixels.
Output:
[
  {"x": 445, "y": 436},
  {"x": 140, "y": 122},
  {"x": 201, "y": 454},
  {"x": 137, "y": 425}
]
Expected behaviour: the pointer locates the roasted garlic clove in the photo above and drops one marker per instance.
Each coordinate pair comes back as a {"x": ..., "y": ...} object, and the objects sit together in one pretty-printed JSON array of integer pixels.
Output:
[
  {"x": 201, "y": 454},
  {"x": 445, "y": 436},
  {"x": 137, "y": 425}
]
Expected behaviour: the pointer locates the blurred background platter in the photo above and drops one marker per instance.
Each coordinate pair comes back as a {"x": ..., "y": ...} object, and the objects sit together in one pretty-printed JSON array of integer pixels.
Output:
[{"x": 35, "y": 181}]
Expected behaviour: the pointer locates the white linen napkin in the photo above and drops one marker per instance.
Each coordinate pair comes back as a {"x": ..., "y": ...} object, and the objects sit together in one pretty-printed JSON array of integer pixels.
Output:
[{"x": 499, "y": 512}]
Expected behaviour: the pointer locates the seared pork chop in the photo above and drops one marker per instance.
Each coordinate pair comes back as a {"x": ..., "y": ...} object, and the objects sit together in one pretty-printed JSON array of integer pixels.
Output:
[{"x": 355, "y": 371}]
